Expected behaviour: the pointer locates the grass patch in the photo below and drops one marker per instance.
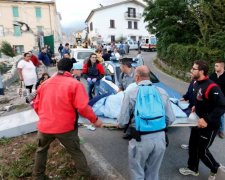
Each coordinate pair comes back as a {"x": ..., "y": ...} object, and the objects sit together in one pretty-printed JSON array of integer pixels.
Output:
[
  {"x": 17, "y": 159},
  {"x": 21, "y": 106},
  {"x": 23, "y": 166},
  {"x": 5, "y": 141}
]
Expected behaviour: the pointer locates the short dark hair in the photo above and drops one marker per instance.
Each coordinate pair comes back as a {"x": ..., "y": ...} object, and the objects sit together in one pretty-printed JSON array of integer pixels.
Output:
[
  {"x": 127, "y": 62},
  {"x": 65, "y": 64},
  {"x": 202, "y": 66},
  {"x": 25, "y": 54},
  {"x": 220, "y": 62},
  {"x": 67, "y": 44}
]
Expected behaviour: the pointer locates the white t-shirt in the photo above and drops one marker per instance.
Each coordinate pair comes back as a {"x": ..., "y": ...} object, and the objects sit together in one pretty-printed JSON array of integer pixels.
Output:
[{"x": 28, "y": 72}]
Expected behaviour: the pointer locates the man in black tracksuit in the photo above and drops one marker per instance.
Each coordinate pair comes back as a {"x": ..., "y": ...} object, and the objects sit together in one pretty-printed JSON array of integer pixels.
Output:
[
  {"x": 219, "y": 78},
  {"x": 209, "y": 106}
]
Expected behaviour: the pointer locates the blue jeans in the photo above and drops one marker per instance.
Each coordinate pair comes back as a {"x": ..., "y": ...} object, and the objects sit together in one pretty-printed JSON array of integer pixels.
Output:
[
  {"x": 92, "y": 86},
  {"x": 222, "y": 124}
]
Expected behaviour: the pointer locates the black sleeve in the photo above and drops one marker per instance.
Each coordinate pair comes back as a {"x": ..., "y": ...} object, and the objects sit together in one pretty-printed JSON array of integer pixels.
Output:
[
  {"x": 189, "y": 92},
  {"x": 217, "y": 99}
]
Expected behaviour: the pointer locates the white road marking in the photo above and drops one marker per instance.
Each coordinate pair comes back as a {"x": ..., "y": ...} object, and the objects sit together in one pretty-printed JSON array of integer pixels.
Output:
[{"x": 102, "y": 163}]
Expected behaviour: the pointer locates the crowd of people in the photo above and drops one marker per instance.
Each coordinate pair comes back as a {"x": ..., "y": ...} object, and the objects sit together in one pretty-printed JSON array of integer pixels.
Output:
[{"x": 147, "y": 138}]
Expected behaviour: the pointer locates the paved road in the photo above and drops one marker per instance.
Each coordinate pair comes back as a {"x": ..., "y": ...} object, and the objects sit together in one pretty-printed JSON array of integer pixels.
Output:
[{"x": 110, "y": 150}]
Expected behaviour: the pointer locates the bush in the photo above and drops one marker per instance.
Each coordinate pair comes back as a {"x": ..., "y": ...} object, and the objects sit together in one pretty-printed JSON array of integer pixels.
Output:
[
  {"x": 7, "y": 49},
  {"x": 182, "y": 56}
]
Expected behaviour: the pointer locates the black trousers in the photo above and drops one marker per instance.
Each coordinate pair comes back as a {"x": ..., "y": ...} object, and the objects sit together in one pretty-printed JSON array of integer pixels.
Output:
[
  {"x": 199, "y": 143},
  {"x": 29, "y": 88}
]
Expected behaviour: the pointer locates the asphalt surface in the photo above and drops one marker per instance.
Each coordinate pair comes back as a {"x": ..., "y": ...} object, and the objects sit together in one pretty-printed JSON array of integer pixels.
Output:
[{"x": 112, "y": 149}]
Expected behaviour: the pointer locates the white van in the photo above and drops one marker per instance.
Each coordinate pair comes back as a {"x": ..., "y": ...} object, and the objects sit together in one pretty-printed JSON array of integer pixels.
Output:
[
  {"x": 149, "y": 43},
  {"x": 133, "y": 44}
]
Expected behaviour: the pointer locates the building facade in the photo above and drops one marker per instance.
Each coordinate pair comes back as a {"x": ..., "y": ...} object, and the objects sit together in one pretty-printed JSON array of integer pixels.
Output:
[
  {"x": 117, "y": 22},
  {"x": 24, "y": 23}
]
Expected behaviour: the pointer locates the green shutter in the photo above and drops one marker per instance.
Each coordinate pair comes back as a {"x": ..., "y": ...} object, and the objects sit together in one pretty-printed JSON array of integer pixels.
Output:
[
  {"x": 17, "y": 31},
  {"x": 38, "y": 12},
  {"x": 15, "y": 11}
]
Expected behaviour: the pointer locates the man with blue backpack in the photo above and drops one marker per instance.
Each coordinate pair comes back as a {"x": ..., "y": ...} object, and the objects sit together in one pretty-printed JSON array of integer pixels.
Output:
[{"x": 150, "y": 107}]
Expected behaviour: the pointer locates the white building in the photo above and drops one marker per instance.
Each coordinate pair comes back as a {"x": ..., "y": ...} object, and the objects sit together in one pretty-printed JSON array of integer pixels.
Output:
[{"x": 116, "y": 22}]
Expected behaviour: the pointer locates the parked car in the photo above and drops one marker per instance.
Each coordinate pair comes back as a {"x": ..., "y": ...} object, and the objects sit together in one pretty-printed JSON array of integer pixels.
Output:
[
  {"x": 80, "y": 54},
  {"x": 112, "y": 73}
]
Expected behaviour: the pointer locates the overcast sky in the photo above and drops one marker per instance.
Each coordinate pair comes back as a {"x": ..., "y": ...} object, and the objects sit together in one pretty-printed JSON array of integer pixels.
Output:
[{"x": 75, "y": 12}]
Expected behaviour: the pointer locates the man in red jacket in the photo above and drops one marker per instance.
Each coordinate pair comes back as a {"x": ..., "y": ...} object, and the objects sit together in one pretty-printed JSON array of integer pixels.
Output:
[{"x": 58, "y": 101}]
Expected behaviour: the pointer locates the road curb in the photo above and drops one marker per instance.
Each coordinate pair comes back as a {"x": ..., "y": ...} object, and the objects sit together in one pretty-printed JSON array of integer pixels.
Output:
[{"x": 99, "y": 165}]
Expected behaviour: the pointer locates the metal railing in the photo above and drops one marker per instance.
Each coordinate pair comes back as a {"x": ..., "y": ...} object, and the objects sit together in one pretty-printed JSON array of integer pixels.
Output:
[{"x": 136, "y": 16}]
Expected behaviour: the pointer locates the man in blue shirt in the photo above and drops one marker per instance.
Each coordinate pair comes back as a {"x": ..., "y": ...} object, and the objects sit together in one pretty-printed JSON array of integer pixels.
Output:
[{"x": 66, "y": 50}]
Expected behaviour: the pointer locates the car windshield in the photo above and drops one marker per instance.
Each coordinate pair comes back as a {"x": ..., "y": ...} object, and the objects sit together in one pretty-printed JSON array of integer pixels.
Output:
[
  {"x": 83, "y": 55},
  {"x": 153, "y": 40}
]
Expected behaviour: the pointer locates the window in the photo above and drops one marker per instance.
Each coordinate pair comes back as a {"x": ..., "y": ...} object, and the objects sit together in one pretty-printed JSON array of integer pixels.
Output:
[
  {"x": 15, "y": 11},
  {"x": 112, "y": 24},
  {"x": 17, "y": 30},
  {"x": 131, "y": 12},
  {"x": 83, "y": 55},
  {"x": 39, "y": 29},
  {"x": 19, "y": 49},
  {"x": 112, "y": 38},
  {"x": 135, "y": 25},
  {"x": 38, "y": 12},
  {"x": 129, "y": 24},
  {"x": 91, "y": 26},
  {"x": 1, "y": 31},
  {"x": 133, "y": 37}
]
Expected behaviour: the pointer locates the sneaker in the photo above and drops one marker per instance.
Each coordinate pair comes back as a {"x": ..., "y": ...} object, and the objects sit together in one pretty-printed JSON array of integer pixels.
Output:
[
  {"x": 212, "y": 176},
  {"x": 184, "y": 146},
  {"x": 221, "y": 135},
  {"x": 187, "y": 171}
]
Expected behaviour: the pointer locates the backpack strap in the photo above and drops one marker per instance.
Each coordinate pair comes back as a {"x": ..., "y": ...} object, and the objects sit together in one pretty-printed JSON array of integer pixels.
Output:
[{"x": 208, "y": 89}]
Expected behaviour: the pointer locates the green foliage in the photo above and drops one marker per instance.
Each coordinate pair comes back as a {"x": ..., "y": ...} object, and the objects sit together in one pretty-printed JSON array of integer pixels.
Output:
[
  {"x": 7, "y": 49},
  {"x": 5, "y": 141},
  {"x": 183, "y": 56},
  {"x": 22, "y": 167},
  {"x": 187, "y": 30}
]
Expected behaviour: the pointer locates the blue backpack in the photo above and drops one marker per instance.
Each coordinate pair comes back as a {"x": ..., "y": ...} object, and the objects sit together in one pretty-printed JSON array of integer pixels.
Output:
[{"x": 149, "y": 110}]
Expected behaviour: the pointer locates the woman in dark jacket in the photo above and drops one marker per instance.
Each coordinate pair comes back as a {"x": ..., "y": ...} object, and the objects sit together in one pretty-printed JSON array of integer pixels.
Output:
[{"x": 93, "y": 71}]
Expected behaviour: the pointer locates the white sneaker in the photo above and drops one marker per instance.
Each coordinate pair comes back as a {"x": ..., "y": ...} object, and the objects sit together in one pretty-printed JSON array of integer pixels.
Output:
[
  {"x": 184, "y": 146},
  {"x": 212, "y": 176},
  {"x": 187, "y": 171}
]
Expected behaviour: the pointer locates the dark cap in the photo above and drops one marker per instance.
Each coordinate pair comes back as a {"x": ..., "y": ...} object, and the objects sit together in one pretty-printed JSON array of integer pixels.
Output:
[
  {"x": 65, "y": 64},
  {"x": 126, "y": 61}
]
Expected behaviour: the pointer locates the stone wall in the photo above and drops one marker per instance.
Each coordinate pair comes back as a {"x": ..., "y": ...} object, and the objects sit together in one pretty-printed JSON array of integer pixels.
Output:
[
  {"x": 11, "y": 76},
  {"x": 172, "y": 70}
]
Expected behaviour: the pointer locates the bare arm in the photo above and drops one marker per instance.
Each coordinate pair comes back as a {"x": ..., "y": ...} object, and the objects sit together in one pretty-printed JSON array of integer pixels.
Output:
[{"x": 19, "y": 70}]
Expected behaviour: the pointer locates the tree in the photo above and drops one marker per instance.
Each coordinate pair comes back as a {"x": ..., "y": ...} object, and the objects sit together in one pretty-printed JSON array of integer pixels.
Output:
[
  {"x": 172, "y": 22},
  {"x": 7, "y": 49},
  {"x": 210, "y": 16}
]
